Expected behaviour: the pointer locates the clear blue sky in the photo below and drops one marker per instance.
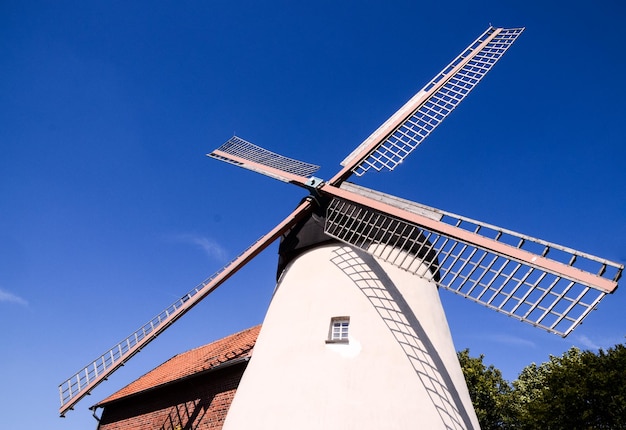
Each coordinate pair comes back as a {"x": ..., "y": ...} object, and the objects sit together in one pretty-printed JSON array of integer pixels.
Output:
[{"x": 109, "y": 210}]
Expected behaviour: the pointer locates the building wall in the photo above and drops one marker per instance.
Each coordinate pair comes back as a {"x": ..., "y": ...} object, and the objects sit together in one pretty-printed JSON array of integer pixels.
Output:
[
  {"x": 398, "y": 370},
  {"x": 198, "y": 403}
]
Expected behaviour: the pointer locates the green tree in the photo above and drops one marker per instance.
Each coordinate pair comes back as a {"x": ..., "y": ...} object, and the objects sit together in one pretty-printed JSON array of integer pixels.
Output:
[
  {"x": 578, "y": 390},
  {"x": 489, "y": 391}
]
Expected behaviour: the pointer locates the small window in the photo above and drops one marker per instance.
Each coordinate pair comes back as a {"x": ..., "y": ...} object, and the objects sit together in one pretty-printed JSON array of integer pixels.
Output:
[{"x": 338, "y": 332}]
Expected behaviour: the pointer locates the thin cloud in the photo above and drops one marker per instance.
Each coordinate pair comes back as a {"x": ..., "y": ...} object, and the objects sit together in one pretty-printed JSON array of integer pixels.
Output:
[
  {"x": 212, "y": 249},
  {"x": 511, "y": 340},
  {"x": 586, "y": 342},
  {"x": 6, "y": 297}
]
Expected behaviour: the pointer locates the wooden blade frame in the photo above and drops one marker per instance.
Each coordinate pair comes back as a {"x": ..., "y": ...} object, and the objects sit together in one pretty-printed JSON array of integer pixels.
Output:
[
  {"x": 83, "y": 382},
  {"x": 501, "y": 269},
  {"x": 249, "y": 156},
  {"x": 395, "y": 139}
]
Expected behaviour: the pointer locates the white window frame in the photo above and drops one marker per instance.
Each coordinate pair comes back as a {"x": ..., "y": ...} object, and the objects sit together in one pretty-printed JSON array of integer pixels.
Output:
[{"x": 339, "y": 330}]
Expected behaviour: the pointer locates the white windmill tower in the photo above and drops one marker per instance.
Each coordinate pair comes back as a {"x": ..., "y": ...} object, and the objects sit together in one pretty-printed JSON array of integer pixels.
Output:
[{"x": 355, "y": 336}]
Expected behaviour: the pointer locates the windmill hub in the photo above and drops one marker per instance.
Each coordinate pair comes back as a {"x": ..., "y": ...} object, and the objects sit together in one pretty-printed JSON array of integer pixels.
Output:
[{"x": 313, "y": 183}]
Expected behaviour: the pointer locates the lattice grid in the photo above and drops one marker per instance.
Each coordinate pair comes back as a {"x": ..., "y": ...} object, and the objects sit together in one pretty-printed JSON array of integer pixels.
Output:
[
  {"x": 521, "y": 290},
  {"x": 85, "y": 380},
  {"x": 249, "y": 151},
  {"x": 454, "y": 87}
]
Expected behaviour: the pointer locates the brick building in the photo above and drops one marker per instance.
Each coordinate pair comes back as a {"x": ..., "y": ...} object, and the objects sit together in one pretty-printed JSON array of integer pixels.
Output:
[{"x": 191, "y": 390}]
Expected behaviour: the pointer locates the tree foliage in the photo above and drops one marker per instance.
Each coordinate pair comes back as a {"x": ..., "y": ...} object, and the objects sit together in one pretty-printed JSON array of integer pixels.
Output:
[
  {"x": 578, "y": 390},
  {"x": 489, "y": 391}
]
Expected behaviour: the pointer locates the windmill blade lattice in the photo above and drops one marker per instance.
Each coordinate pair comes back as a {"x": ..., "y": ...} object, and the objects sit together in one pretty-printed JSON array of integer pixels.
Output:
[
  {"x": 524, "y": 288},
  {"x": 244, "y": 154},
  {"x": 80, "y": 384},
  {"x": 403, "y": 132}
]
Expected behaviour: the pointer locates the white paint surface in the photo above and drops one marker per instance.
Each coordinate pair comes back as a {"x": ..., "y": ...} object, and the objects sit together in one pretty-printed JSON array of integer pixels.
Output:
[{"x": 399, "y": 369}]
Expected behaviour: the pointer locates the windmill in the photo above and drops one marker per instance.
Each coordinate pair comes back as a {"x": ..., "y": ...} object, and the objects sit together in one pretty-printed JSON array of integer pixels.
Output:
[{"x": 375, "y": 240}]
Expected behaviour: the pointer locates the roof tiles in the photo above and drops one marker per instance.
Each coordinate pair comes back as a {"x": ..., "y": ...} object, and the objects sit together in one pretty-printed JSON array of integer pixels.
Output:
[{"x": 201, "y": 359}]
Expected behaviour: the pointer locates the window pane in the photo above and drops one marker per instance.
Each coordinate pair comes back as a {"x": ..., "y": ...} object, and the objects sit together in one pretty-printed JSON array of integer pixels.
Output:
[{"x": 339, "y": 328}]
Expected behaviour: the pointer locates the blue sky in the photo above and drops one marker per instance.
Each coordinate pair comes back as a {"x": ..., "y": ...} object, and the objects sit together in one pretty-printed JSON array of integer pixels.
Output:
[{"x": 109, "y": 210}]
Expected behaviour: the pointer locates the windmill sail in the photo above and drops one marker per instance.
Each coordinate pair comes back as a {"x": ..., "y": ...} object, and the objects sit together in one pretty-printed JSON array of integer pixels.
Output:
[
  {"x": 393, "y": 141},
  {"x": 244, "y": 154},
  {"x": 544, "y": 284},
  {"x": 84, "y": 381}
]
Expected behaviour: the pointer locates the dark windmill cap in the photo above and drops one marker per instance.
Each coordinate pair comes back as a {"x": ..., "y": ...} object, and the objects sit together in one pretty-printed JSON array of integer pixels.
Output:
[
  {"x": 306, "y": 234},
  {"x": 309, "y": 233}
]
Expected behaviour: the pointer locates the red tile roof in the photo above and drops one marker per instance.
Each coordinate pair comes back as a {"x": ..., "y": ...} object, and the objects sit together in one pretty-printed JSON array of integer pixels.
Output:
[{"x": 207, "y": 357}]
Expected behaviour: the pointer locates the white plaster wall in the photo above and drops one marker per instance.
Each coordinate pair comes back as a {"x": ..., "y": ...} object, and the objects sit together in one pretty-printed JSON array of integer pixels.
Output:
[{"x": 386, "y": 377}]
